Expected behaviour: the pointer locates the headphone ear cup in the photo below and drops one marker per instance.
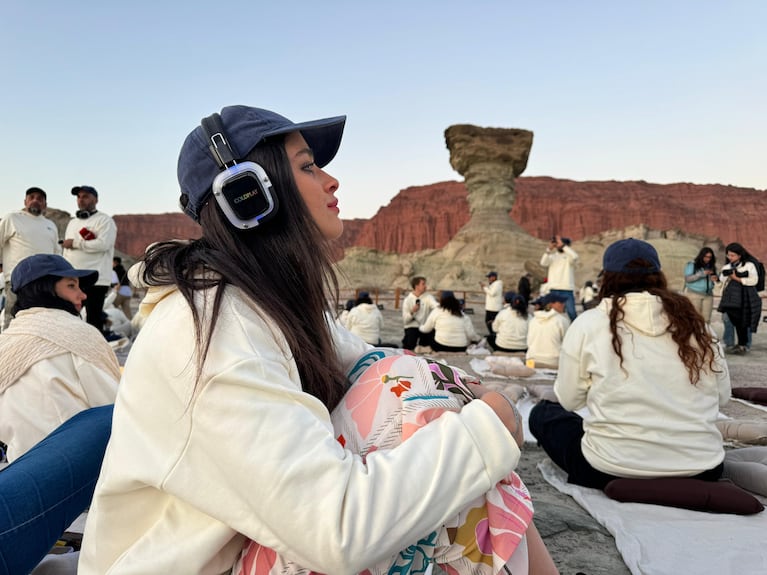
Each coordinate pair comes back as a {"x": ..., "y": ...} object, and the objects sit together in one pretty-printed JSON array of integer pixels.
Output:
[{"x": 245, "y": 194}]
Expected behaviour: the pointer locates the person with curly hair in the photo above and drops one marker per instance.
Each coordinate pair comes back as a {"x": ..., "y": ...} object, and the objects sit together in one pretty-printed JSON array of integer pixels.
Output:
[{"x": 651, "y": 373}]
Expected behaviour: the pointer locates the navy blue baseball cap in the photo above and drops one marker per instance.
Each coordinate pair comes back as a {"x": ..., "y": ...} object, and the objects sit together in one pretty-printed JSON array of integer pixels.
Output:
[
  {"x": 40, "y": 265},
  {"x": 245, "y": 128},
  {"x": 90, "y": 189},
  {"x": 619, "y": 254},
  {"x": 553, "y": 298}
]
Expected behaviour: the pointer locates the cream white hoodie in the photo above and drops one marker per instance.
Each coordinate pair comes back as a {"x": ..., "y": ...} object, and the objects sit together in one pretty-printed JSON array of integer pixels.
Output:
[
  {"x": 544, "y": 336},
  {"x": 645, "y": 417},
  {"x": 190, "y": 470}
]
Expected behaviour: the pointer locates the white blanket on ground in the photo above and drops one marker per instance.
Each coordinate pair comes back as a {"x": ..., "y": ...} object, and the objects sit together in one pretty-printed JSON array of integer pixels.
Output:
[{"x": 657, "y": 540}]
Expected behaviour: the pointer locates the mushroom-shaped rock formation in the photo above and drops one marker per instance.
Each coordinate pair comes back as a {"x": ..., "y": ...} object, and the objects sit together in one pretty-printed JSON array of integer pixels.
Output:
[{"x": 489, "y": 159}]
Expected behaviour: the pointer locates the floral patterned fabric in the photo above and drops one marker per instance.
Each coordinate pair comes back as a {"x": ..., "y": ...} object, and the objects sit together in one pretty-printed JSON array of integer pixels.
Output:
[{"x": 392, "y": 395}]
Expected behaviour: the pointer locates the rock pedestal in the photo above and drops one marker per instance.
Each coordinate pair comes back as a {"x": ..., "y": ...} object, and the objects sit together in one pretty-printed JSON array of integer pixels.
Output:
[{"x": 489, "y": 159}]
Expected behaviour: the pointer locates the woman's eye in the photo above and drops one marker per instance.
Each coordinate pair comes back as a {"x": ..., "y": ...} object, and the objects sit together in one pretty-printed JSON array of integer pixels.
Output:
[{"x": 308, "y": 166}]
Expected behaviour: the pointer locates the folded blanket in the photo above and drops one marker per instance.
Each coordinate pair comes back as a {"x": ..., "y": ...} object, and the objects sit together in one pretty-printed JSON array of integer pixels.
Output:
[{"x": 657, "y": 540}]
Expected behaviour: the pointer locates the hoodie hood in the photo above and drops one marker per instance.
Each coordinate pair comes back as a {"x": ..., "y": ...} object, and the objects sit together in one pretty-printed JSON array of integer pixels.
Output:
[
  {"x": 546, "y": 315},
  {"x": 643, "y": 312}
]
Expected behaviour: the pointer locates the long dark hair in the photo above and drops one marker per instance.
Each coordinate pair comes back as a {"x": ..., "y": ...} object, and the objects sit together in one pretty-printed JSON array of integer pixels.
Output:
[
  {"x": 42, "y": 293},
  {"x": 448, "y": 301},
  {"x": 519, "y": 304},
  {"x": 687, "y": 327},
  {"x": 736, "y": 248},
  {"x": 285, "y": 261},
  {"x": 699, "y": 264}
]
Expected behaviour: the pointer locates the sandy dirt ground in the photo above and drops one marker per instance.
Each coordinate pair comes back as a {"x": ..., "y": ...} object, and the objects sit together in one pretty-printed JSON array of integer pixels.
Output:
[{"x": 575, "y": 540}]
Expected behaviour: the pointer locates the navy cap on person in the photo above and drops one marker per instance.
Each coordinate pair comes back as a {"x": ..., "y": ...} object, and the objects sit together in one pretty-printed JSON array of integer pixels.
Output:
[
  {"x": 40, "y": 265},
  {"x": 36, "y": 191},
  {"x": 492, "y": 274},
  {"x": 363, "y": 294},
  {"x": 553, "y": 298},
  {"x": 246, "y": 128},
  {"x": 619, "y": 254},
  {"x": 90, "y": 189},
  {"x": 508, "y": 297}
]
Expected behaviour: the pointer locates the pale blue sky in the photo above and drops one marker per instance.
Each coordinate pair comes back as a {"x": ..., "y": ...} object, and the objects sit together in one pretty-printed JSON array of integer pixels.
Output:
[{"x": 103, "y": 93}]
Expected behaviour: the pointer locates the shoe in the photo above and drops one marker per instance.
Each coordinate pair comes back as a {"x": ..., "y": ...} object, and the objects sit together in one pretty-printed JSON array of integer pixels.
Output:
[{"x": 739, "y": 350}]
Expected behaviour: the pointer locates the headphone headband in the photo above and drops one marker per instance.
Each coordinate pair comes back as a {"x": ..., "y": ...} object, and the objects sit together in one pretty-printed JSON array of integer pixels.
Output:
[{"x": 219, "y": 147}]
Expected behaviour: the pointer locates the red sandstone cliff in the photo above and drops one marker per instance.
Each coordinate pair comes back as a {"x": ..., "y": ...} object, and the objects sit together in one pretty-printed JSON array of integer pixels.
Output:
[{"x": 426, "y": 217}]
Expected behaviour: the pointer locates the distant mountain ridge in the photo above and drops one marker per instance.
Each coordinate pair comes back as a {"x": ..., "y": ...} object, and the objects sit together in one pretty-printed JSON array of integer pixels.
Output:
[{"x": 427, "y": 217}]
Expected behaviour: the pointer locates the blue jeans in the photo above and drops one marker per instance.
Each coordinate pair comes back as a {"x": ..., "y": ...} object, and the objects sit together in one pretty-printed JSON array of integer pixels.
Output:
[
  {"x": 570, "y": 303},
  {"x": 47, "y": 488}
]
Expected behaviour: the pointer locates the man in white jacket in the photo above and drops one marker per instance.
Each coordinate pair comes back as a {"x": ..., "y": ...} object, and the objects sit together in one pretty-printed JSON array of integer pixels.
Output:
[
  {"x": 493, "y": 299},
  {"x": 89, "y": 243},
  {"x": 560, "y": 258},
  {"x": 25, "y": 233}
]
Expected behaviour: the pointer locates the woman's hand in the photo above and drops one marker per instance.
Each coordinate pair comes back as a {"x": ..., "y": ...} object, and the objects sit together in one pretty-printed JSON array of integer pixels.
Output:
[{"x": 505, "y": 410}]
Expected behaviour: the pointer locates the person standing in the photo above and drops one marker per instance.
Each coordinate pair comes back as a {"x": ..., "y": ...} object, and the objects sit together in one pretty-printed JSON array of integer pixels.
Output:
[
  {"x": 123, "y": 290},
  {"x": 25, "y": 233},
  {"x": 416, "y": 307},
  {"x": 699, "y": 279},
  {"x": 89, "y": 243},
  {"x": 493, "y": 299},
  {"x": 740, "y": 300},
  {"x": 560, "y": 258},
  {"x": 525, "y": 286}
]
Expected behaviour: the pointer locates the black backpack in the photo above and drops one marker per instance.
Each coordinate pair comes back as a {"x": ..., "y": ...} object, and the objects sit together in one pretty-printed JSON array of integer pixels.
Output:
[{"x": 760, "y": 274}]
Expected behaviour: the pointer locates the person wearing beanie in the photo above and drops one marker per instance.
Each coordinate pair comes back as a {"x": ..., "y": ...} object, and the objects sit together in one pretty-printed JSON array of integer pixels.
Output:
[
  {"x": 651, "y": 373},
  {"x": 24, "y": 233},
  {"x": 89, "y": 242},
  {"x": 230, "y": 397}
]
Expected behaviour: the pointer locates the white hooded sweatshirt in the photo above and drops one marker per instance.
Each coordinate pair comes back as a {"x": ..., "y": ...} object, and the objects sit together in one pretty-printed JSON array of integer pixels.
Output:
[
  {"x": 366, "y": 321},
  {"x": 645, "y": 417},
  {"x": 544, "y": 336},
  {"x": 192, "y": 469}
]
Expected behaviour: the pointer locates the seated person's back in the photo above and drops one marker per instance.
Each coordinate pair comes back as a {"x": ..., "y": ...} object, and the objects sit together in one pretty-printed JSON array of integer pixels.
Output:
[{"x": 546, "y": 331}]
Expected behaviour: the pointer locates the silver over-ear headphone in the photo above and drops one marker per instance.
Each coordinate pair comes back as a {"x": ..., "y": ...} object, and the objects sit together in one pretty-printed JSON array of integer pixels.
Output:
[{"x": 243, "y": 190}]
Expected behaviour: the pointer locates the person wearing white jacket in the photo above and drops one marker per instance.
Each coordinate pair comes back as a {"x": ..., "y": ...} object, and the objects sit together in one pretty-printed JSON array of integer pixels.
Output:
[
  {"x": 52, "y": 364},
  {"x": 89, "y": 242},
  {"x": 365, "y": 319},
  {"x": 560, "y": 258},
  {"x": 511, "y": 325},
  {"x": 651, "y": 373},
  {"x": 546, "y": 332},
  {"x": 222, "y": 430},
  {"x": 453, "y": 331}
]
